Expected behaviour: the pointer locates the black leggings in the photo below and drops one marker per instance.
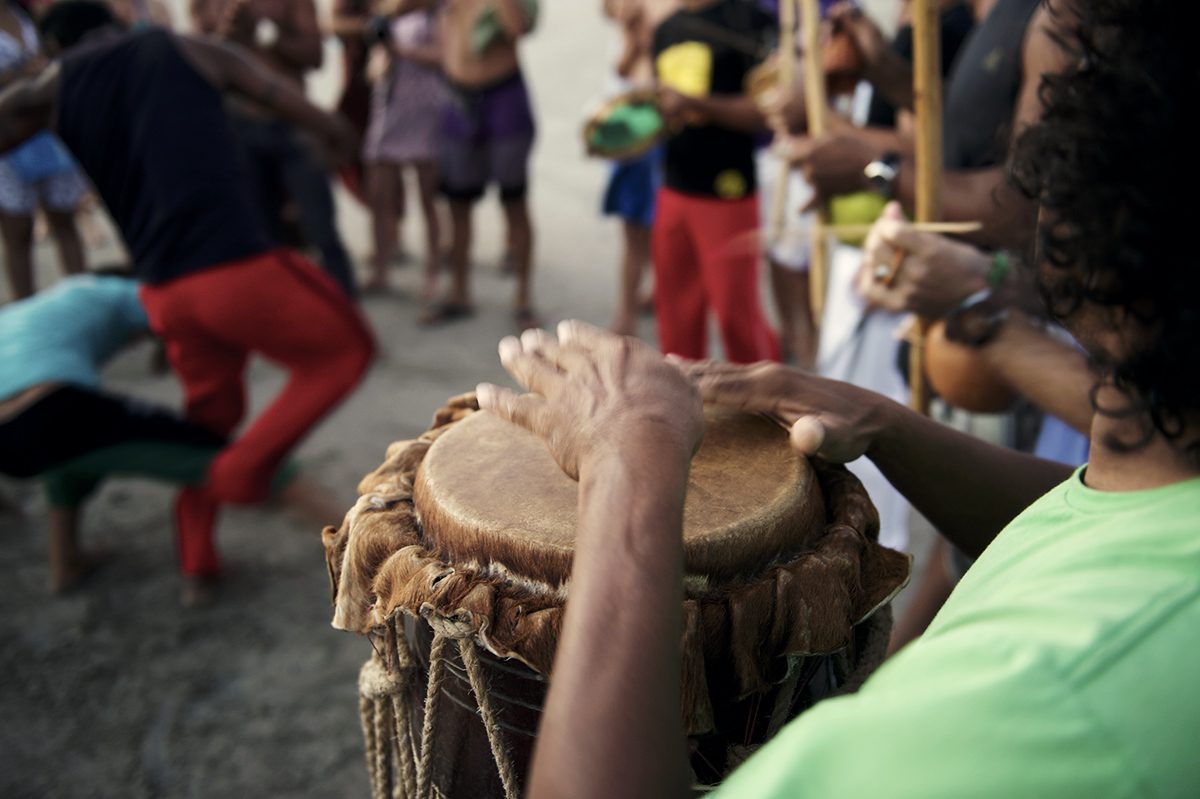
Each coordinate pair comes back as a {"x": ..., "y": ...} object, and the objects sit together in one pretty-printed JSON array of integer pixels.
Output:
[{"x": 70, "y": 422}]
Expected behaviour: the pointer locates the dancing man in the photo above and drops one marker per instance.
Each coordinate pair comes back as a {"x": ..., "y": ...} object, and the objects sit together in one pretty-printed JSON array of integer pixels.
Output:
[{"x": 143, "y": 113}]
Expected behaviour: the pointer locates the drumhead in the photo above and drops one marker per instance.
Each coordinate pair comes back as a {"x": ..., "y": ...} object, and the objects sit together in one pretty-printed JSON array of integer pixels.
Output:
[{"x": 489, "y": 493}]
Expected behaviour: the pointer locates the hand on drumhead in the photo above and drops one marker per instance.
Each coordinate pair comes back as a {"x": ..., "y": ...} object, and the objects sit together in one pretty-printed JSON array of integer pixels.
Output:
[
  {"x": 826, "y": 418},
  {"x": 593, "y": 394}
]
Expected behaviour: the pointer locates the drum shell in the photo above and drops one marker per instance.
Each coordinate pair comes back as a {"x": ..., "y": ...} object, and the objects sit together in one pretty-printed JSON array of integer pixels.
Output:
[{"x": 463, "y": 766}]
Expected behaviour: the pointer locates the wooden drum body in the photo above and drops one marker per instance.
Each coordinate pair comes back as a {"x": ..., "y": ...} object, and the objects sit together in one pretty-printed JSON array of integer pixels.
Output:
[{"x": 456, "y": 559}]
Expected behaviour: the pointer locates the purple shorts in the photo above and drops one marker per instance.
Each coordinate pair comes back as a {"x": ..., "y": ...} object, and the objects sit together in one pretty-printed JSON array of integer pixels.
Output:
[{"x": 487, "y": 136}]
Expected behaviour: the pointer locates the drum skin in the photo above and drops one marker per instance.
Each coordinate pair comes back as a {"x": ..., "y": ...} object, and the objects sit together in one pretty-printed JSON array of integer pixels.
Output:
[{"x": 488, "y": 491}]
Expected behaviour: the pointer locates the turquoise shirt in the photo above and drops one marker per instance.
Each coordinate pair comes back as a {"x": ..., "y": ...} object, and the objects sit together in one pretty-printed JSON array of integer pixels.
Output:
[
  {"x": 66, "y": 333},
  {"x": 1065, "y": 664}
]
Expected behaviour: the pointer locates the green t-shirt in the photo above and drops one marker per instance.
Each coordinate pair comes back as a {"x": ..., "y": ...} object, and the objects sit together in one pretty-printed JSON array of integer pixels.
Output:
[{"x": 1065, "y": 664}]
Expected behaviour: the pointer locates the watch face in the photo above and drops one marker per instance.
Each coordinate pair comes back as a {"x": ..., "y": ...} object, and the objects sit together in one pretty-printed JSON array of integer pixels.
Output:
[{"x": 880, "y": 176}]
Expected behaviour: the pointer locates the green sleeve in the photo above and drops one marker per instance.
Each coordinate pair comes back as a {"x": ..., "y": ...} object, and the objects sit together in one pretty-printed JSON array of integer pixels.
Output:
[{"x": 958, "y": 717}]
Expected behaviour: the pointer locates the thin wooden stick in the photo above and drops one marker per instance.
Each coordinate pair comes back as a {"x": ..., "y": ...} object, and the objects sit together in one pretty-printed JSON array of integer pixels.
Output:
[
  {"x": 752, "y": 240},
  {"x": 787, "y": 79},
  {"x": 927, "y": 103},
  {"x": 950, "y": 228},
  {"x": 816, "y": 106}
]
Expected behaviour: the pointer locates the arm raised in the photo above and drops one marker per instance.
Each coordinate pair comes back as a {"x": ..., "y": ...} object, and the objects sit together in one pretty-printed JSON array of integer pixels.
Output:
[{"x": 228, "y": 68}]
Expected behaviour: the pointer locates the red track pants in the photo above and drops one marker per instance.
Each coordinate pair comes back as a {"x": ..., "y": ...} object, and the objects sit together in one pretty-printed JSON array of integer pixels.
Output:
[
  {"x": 284, "y": 308},
  {"x": 705, "y": 253}
]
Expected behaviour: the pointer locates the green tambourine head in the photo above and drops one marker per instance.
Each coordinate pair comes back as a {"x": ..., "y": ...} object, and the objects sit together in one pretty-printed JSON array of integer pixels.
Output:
[{"x": 625, "y": 130}]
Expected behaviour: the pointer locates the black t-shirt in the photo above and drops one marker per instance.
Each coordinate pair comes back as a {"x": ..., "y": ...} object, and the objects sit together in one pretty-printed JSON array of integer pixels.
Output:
[
  {"x": 709, "y": 52},
  {"x": 982, "y": 93},
  {"x": 153, "y": 136},
  {"x": 954, "y": 25}
]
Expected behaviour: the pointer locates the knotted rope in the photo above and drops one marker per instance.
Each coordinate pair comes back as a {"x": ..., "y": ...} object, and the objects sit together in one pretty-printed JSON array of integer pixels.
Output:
[{"x": 399, "y": 767}]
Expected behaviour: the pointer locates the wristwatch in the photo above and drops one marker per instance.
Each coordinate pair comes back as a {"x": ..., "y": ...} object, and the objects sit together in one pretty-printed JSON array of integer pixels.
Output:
[
  {"x": 976, "y": 320},
  {"x": 881, "y": 175}
]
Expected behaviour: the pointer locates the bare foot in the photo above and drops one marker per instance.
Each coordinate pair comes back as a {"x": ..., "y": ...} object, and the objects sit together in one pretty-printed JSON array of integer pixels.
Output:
[
  {"x": 76, "y": 571},
  {"x": 429, "y": 290},
  {"x": 198, "y": 591},
  {"x": 377, "y": 284},
  {"x": 525, "y": 318}
]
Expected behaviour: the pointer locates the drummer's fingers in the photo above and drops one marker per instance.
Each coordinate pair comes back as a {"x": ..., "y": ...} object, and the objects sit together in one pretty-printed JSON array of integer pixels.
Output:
[
  {"x": 536, "y": 340},
  {"x": 524, "y": 410},
  {"x": 580, "y": 334},
  {"x": 530, "y": 368}
]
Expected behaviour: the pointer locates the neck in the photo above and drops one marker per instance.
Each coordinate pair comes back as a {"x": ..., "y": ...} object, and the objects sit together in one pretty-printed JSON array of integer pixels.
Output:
[{"x": 1160, "y": 462}]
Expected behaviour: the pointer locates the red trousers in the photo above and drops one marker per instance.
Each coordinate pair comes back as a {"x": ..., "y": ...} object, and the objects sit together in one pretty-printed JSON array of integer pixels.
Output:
[
  {"x": 705, "y": 253},
  {"x": 284, "y": 308}
]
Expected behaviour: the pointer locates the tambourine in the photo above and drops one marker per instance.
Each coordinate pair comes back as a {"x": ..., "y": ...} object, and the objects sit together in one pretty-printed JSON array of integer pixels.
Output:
[{"x": 626, "y": 127}]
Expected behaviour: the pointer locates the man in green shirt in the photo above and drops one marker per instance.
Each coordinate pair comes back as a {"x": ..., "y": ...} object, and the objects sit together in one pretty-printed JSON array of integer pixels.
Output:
[{"x": 1064, "y": 663}]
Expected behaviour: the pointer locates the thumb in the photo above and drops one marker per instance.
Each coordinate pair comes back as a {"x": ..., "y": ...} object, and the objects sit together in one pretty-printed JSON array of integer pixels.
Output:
[
  {"x": 807, "y": 435},
  {"x": 893, "y": 210}
]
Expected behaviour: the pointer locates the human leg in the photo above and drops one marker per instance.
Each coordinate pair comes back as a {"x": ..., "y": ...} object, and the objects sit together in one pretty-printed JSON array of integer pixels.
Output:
[
  {"x": 17, "y": 232},
  {"x": 634, "y": 260},
  {"x": 67, "y": 239},
  {"x": 630, "y": 195},
  {"x": 61, "y": 195},
  {"x": 463, "y": 176},
  {"x": 308, "y": 185},
  {"x": 308, "y": 327},
  {"x": 382, "y": 191},
  {"x": 511, "y": 136},
  {"x": 427, "y": 181},
  {"x": 797, "y": 333},
  {"x": 730, "y": 273},
  {"x": 520, "y": 240},
  {"x": 680, "y": 304},
  {"x": 457, "y": 301}
]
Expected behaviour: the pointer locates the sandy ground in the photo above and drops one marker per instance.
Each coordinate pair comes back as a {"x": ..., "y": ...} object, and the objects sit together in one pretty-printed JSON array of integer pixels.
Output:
[{"x": 114, "y": 690}]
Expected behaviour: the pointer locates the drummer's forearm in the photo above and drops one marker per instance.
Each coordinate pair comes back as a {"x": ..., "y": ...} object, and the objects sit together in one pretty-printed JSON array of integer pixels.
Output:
[
  {"x": 733, "y": 112},
  {"x": 617, "y": 669},
  {"x": 967, "y": 488}
]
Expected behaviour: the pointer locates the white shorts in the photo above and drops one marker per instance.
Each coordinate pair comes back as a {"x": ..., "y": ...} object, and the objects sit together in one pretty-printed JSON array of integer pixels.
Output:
[
  {"x": 792, "y": 250},
  {"x": 60, "y": 192}
]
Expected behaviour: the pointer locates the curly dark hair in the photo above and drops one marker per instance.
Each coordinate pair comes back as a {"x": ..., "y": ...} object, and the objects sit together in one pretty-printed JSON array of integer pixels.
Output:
[{"x": 1109, "y": 164}]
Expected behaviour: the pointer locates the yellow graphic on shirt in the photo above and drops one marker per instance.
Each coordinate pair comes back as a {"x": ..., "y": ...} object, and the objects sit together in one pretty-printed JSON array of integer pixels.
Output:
[
  {"x": 730, "y": 185},
  {"x": 686, "y": 68}
]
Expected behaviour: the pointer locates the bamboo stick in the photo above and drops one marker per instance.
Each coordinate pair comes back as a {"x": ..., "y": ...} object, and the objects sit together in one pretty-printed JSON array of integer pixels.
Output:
[
  {"x": 927, "y": 103},
  {"x": 817, "y": 110},
  {"x": 787, "y": 79}
]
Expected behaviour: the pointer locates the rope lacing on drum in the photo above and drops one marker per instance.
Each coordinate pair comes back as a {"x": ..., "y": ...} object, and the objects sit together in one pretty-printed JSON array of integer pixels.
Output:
[{"x": 383, "y": 700}]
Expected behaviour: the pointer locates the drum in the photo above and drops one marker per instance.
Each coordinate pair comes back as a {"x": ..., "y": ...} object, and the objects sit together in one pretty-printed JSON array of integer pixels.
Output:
[
  {"x": 455, "y": 562},
  {"x": 624, "y": 128}
]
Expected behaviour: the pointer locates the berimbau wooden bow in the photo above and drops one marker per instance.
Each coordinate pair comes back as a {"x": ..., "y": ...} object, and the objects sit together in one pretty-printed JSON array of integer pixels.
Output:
[{"x": 927, "y": 105}]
